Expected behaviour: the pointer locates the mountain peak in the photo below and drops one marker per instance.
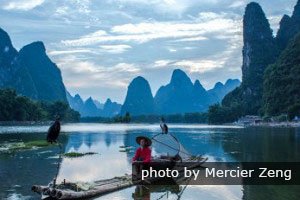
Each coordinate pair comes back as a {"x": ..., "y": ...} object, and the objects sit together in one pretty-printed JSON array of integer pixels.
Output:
[
  {"x": 108, "y": 101},
  {"x": 77, "y": 96},
  {"x": 138, "y": 79},
  {"x": 37, "y": 46},
  {"x": 139, "y": 99},
  {"x": 90, "y": 99},
  {"x": 296, "y": 13},
  {"x": 197, "y": 83},
  {"x": 5, "y": 40},
  {"x": 218, "y": 85},
  {"x": 289, "y": 27},
  {"x": 179, "y": 77},
  {"x": 233, "y": 81},
  {"x": 178, "y": 73},
  {"x": 198, "y": 86},
  {"x": 256, "y": 25}
]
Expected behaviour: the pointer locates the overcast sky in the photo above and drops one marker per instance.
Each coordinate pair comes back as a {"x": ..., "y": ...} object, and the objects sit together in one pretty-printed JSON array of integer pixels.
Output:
[{"x": 101, "y": 45}]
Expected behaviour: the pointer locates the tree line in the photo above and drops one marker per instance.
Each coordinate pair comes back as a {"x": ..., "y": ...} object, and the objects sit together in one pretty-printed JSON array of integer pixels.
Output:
[{"x": 14, "y": 107}]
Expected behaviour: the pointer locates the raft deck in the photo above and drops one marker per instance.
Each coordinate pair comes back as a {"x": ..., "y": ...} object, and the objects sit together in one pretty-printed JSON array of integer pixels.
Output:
[{"x": 67, "y": 191}]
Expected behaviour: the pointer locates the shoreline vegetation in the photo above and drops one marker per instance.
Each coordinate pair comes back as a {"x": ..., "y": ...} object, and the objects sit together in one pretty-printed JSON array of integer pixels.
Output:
[
  {"x": 260, "y": 124},
  {"x": 22, "y": 111},
  {"x": 14, "y": 107}
]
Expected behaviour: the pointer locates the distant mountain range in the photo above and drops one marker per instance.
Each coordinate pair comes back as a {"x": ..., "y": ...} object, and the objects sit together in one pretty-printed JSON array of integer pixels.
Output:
[
  {"x": 93, "y": 108},
  {"x": 179, "y": 96},
  {"x": 30, "y": 71}
]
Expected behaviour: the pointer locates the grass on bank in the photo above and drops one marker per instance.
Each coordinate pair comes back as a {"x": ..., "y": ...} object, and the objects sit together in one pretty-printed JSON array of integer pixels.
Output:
[
  {"x": 77, "y": 154},
  {"x": 18, "y": 146}
]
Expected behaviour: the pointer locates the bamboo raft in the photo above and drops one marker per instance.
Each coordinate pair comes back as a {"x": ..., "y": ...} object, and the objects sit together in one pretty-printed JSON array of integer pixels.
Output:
[{"x": 66, "y": 191}]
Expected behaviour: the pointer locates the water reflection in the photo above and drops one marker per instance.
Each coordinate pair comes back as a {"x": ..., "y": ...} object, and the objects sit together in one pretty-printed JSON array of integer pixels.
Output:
[{"x": 19, "y": 171}]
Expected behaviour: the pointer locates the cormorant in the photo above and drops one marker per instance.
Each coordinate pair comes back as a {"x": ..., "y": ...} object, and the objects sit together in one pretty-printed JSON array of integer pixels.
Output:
[{"x": 53, "y": 131}]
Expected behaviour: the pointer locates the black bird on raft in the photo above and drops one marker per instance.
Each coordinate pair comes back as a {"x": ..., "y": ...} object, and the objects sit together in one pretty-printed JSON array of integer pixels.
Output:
[{"x": 53, "y": 131}]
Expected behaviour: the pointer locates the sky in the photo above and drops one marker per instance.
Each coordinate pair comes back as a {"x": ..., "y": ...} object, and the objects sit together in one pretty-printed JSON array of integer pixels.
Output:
[{"x": 101, "y": 45}]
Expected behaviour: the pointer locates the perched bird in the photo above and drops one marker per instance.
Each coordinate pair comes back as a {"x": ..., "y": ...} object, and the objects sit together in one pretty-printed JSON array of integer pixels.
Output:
[{"x": 53, "y": 131}]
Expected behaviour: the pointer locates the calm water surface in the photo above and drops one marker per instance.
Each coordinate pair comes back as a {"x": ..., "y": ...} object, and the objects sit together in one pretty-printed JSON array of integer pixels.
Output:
[{"x": 20, "y": 170}]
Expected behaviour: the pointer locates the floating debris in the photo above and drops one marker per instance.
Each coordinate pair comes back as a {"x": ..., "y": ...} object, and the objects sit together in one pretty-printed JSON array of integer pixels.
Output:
[
  {"x": 77, "y": 154},
  {"x": 18, "y": 146},
  {"x": 126, "y": 148}
]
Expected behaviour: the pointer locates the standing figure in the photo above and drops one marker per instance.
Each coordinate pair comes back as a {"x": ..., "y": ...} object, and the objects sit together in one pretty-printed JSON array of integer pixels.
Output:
[
  {"x": 53, "y": 131},
  {"x": 163, "y": 126}
]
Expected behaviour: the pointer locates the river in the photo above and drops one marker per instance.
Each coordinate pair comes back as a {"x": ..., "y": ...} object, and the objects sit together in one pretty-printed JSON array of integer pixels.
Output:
[{"x": 20, "y": 170}]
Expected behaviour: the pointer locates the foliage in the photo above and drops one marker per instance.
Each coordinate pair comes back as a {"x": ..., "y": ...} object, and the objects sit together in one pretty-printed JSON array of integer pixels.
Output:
[
  {"x": 77, "y": 154},
  {"x": 294, "y": 111},
  {"x": 122, "y": 119},
  {"x": 175, "y": 118},
  {"x": 19, "y": 108},
  {"x": 218, "y": 114},
  {"x": 282, "y": 82}
]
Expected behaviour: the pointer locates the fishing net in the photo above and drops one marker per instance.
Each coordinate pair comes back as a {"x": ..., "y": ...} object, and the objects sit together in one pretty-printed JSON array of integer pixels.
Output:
[{"x": 168, "y": 145}]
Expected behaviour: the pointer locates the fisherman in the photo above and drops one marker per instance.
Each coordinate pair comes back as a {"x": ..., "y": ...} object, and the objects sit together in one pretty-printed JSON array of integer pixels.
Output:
[
  {"x": 163, "y": 126},
  {"x": 54, "y": 130},
  {"x": 143, "y": 153},
  {"x": 142, "y": 156}
]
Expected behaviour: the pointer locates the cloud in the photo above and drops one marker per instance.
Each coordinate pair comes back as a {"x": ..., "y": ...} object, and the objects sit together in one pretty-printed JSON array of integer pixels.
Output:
[
  {"x": 192, "y": 65},
  {"x": 62, "y": 52},
  {"x": 192, "y": 39},
  {"x": 200, "y": 66},
  {"x": 86, "y": 74},
  {"x": 195, "y": 30},
  {"x": 274, "y": 22},
  {"x": 162, "y": 63},
  {"x": 115, "y": 49},
  {"x": 21, "y": 4},
  {"x": 238, "y": 4}
]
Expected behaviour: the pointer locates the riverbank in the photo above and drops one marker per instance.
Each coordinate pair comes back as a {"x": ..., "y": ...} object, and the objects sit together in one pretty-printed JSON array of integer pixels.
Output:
[
  {"x": 276, "y": 124},
  {"x": 25, "y": 123}
]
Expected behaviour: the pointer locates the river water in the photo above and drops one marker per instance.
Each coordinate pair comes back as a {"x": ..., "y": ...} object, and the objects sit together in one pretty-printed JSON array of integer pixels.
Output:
[{"x": 20, "y": 170}]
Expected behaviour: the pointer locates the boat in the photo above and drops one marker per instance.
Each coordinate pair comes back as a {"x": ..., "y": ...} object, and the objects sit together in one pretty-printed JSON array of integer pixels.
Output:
[
  {"x": 68, "y": 190},
  {"x": 176, "y": 158}
]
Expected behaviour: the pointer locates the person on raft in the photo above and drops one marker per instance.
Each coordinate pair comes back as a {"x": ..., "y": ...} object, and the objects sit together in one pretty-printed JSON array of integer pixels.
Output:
[
  {"x": 163, "y": 126},
  {"x": 54, "y": 130},
  {"x": 143, "y": 153},
  {"x": 142, "y": 156}
]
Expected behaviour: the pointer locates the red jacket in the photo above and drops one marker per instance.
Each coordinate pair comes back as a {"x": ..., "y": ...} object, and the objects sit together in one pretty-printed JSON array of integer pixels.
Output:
[{"x": 142, "y": 153}]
